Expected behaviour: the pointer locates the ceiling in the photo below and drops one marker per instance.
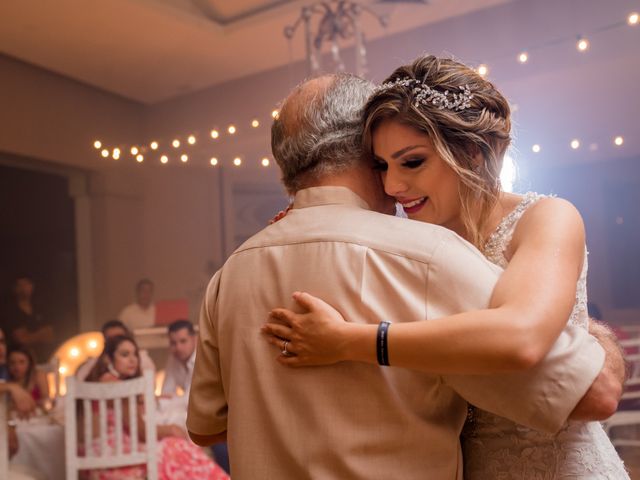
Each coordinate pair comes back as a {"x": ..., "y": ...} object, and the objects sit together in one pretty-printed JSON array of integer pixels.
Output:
[{"x": 153, "y": 50}]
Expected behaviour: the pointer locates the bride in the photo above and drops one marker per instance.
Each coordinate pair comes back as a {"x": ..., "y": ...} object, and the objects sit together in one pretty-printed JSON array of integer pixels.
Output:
[{"x": 438, "y": 133}]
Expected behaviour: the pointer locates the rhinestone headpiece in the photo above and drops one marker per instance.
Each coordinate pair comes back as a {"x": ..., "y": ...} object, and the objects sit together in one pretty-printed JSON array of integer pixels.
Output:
[{"x": 426, "y": 95}]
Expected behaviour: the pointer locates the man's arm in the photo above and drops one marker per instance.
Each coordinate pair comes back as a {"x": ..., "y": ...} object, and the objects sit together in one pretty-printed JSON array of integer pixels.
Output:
[
  {"x": 602, "y": 398},
  {"x": 23, "y": 401},
  {"x": 208, "y": 440}
]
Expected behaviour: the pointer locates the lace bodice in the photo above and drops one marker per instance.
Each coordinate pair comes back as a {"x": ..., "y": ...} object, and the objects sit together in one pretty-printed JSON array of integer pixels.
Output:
[{"x": 496, "y": 448}]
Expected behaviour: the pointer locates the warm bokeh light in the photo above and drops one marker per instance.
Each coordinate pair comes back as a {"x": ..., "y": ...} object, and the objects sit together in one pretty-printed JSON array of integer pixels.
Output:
[
  {"x": 134, "y": 150},
  {"x": 237, "y": 161},
  {"x": 618, "y": 140},
  {"x": 164, "y": 159},
  {"x": 535, "y": 148},
  {"x": 104, "y": 153},
  {"x": 139, "y": 158},
  {"x": 215, "y": 134},
  {"x": 74, "y": 352},
  {"x": 582, "y": 45},
  {"x": 632, "y": 19},
  {"x": 213, "y": 161},
  {"x": 274, "y": 113},
  {"x": 265, "y": 162},
  {"x": 483, "y": 70},
  {"x": 175, "y": 143},
  {"x": 523, "y": 57},
  {"x": 191, "y": 139},
  {"x": 231, "y": 129},
  {"x": 255, "y": 123},
  {"x": 154, "y": 145},
  {"x": 97, "y": 144},
  {"x": 116, "y": 154},
  {"x": 575, "y": 143},
  {"x": 184, "y": 158}
]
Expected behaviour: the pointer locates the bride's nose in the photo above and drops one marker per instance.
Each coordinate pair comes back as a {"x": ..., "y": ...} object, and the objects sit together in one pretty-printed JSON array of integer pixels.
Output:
[{"x": 394, "y": 185}]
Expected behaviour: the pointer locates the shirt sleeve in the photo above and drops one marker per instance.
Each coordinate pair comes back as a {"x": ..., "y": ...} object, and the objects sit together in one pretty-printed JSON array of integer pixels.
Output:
[
  {"x": 541, "y": 398},
  {"x": 207, "y": 412}
]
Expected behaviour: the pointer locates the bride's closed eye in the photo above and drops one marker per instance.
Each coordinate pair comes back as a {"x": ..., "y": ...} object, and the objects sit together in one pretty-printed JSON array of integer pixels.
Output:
[
  {"x": 413, "y": 162},
  {"x": 380, "y": 165}
]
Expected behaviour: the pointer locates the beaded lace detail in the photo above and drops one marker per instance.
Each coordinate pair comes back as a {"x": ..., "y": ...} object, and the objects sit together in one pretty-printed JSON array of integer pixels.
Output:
[{"x": 497, "y": 448}]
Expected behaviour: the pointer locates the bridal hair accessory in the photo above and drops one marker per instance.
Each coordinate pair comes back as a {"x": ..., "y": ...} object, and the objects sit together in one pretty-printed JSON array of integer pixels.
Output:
[{"x": 426, "y": 95}]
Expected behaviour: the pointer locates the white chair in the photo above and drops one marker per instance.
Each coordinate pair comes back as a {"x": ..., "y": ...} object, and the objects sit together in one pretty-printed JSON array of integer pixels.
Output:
[
  {"x": 4, "y": 437},
  {"x": 116, "y": 393}
]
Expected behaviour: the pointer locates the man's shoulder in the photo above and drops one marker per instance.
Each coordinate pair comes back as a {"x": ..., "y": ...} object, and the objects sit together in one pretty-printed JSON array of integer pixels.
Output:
[{"x": 357, "y": 227}]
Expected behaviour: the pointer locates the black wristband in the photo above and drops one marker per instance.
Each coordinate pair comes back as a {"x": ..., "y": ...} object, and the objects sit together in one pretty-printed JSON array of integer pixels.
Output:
[{"x": 382, "y": 345}]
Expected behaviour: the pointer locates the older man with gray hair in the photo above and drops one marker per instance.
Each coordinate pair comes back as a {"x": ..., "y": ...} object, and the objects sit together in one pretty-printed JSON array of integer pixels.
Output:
[{"x": 354, "y": 420}]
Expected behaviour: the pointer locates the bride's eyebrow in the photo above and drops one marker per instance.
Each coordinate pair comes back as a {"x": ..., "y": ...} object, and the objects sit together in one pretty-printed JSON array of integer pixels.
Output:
[{"x": 404, "y": 150}]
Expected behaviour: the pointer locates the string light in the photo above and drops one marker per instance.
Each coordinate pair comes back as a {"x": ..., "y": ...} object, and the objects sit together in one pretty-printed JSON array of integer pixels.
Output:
[
  {"x": 62, "y": 370},
  {"x": 265, "y": 162},
  {"x": 92, "y": 344},
  {"x": 191, "y": 140},
  {"x": 74, "y": 352},
  {"x": 231, "y": 129},
  {"x": 175, "y": 143},
  {"x": 255, "y": 123},
  {"x": 575, "y": 144},
  {"x": 97, "y": 144},
  {"x": 134, "y": 150},
  {"x": 215, "y": 134},
  {"x": 274, "y": 114},
  {"x": 535, "y": 148},
  {"x": 184, "y": 158},
  {"x": 139, "y": 158},
  {"x": 483, "y": 70},
  {"x": 164, "y": 159},
  {"x": 237, "y": 161},
  {"x": 618, "y": 140},
  {"x": 104, "y": 153},
  {"x": 632, "y": 19},
  {"x": 582, "y": 45},
  {"x": 154, "y": 145},
  {"x": 213, "y": 161},
  {"x": 116, "y": 154},
  {"x": 523, "y": 57}
]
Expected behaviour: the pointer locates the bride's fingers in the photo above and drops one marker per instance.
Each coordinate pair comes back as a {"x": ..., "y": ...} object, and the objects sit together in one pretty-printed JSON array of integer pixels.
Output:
[
  {"x": 277, "y": 330},
  {"x": 307, "y": 301},
  {"x": 284, "y": 316}
]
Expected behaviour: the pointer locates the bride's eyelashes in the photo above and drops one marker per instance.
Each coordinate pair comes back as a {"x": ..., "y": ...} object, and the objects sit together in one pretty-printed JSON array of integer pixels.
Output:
[
  {"x": 380, "y": 165},
  {"x": 413, "y": 163}
]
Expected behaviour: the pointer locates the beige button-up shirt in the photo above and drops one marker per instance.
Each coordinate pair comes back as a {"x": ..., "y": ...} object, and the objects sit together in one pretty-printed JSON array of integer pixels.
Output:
[{"x": 353, "y": 420}]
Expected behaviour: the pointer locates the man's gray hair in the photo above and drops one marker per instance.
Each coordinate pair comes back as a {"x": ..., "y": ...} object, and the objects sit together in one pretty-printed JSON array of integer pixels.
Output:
[{"x": 318, "y": 131}]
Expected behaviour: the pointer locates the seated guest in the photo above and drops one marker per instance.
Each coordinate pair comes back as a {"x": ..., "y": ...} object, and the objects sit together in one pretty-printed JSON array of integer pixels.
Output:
[
  {"x": 182, "y": 347},
  {"x": 110, "y": 329},
  {"x": 177, "y": 456},
  {"x": 22, "y": 401},
  {"x": 23, "y": 371},
  {"x": 24, "y": 324},
  {"x": 142, "y": 312},
  {"x": 179, "y": 370}
]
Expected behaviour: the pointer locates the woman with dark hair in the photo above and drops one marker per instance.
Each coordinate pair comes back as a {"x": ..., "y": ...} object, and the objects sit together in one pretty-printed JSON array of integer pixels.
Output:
[
  {"x": 178, "y": 458},
  {"x": 23, "y": 371}
]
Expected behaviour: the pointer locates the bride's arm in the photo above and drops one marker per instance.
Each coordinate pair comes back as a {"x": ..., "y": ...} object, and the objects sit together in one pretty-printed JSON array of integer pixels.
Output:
[{"x": 529, "y": 308}]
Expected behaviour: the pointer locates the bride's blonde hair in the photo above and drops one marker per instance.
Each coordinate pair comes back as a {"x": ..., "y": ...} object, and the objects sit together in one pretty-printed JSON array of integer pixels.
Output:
[{"x": 462, "y": 134}]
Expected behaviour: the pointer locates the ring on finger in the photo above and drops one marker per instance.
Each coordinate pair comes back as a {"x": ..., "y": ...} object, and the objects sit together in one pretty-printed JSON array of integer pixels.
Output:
[{"x": 285, "y": 352}]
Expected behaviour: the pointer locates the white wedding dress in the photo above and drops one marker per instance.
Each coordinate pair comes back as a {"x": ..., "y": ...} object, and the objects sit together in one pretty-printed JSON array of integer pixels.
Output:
[{"x": 498, "y": 449}]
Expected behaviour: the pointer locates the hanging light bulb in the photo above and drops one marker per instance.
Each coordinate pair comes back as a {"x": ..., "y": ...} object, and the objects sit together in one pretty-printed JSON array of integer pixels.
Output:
[
  {"x": 215, "y": 134},
  {"x": 483, "y": 70},
  {"x": 265, "y": 162},
  {"x": 535, "y": 148},
  {"x": 116, "y": 154},
  {"x": 231, "y": 129},
  {"x": 134, "y": 150},
  {"x": 191, "y": 139},
  {"x": 274, "y": 114},
  {"x": 582, "y": 45},
  {"x": 175, "y": 143},
  {"x": 97, "y": 144},
  {"x": 618, "y": 140},
  {"x": 139, "y": 158},
  {"x": 632, "y": 19},
  {"x": 255, "y": 123},
  {"x": 523, "y": 57},
  {"x": 104, "y": 153},
  {"x": 184, "y": 158},
  {"x": 213, "y": 161},
  {"x": 237, "y": 161},
  {"x": 154, "y": 145},
  {"x": 575, "y": 143},
  {"x": 164, "y": 159}
]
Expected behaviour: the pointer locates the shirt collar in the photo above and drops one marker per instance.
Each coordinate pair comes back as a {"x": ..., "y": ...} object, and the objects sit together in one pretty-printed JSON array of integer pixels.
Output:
[{"x": 316, "y": 196}]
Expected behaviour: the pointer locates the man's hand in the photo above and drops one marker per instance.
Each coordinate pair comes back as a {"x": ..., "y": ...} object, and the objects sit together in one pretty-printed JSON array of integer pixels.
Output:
[
  {"x": 208, "y": 440},
  {"x": 602, "y": 398}
]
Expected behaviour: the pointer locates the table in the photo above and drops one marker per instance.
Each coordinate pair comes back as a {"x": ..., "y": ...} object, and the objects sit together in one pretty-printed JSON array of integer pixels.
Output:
[{"x": 41, "y": 447}]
